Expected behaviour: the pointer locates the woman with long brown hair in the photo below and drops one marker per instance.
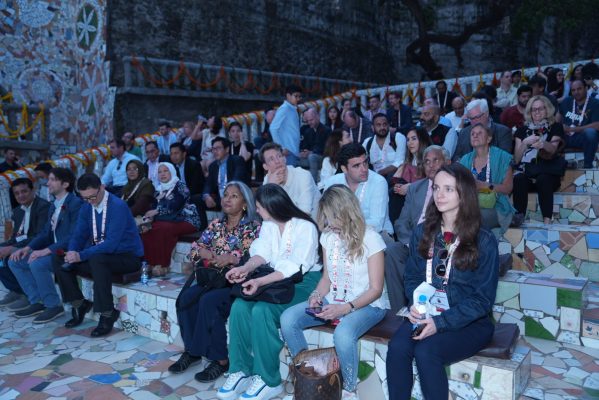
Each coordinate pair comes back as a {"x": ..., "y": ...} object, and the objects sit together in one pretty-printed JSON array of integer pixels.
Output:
[{"x": 453, "y": 254}]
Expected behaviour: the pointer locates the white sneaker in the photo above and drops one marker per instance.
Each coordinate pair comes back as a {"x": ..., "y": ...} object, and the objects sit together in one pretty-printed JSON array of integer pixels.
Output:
[
  {"x": 235, "y": 384},
  {"x": 347, "y": 395},
  {"x": 259, "y": 390}
]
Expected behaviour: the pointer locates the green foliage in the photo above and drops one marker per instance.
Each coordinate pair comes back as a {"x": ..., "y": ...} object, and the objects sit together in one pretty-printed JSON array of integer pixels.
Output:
[{"x": 573, "y": 14}]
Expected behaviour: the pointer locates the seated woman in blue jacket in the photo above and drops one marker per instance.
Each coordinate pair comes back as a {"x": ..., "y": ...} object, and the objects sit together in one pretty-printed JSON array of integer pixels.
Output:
[{"x": 451, "y": 252}]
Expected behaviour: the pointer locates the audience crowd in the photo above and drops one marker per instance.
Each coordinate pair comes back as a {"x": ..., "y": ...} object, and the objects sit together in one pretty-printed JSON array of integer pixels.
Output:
[{"x": 351, "y": 213}]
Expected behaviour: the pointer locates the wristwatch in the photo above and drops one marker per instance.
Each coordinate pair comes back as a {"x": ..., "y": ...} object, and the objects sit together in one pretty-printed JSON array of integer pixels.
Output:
[{"x": 353, "y": 308}]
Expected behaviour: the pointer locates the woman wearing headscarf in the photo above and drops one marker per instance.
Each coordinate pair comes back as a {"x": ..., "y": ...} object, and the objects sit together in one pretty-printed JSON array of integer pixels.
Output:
[
  {"x": 138, "y": 193},
  {"x": 173, "y": 216}
]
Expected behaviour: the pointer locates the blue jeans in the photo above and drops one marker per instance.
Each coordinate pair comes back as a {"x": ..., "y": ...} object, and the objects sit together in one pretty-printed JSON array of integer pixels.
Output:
[
  {"x": 587, "y": 140},
  {"x": 294, "y": 320},
  {"x": 36, "y": 280},
  {"x": 292, "y": 159},
  {"x": 8, "y": 278}
]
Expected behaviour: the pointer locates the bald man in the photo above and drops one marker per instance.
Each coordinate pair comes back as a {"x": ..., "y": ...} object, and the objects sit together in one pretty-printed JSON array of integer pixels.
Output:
[{"x": 313, "y": 136}]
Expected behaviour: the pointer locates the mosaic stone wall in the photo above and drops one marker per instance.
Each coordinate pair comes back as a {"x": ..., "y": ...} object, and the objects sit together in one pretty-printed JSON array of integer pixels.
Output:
[
  {"x": 563, "y": 251},
  {"x": 55, "y": 52},
  {"x": 543, "y": 306}
]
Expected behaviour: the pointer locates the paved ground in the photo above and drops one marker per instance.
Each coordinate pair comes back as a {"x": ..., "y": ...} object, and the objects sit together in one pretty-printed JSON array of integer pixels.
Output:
[{"x": 51, "y": 362}]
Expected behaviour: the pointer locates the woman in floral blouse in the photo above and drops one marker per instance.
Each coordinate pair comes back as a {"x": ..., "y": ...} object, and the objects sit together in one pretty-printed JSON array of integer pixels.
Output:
[{"x": 224, "y": 243}]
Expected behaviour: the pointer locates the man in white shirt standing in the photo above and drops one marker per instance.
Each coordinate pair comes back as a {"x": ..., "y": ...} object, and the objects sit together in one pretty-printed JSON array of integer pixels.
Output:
[
  {"x": 370, "y": 188},
  {"x": 386, "y": 151},
  {"x": 506, "y": 93},
  {"x": 166, "y": 138},
  {"x": 115, "y": 173},
  {"x": 296, "y": 181}
]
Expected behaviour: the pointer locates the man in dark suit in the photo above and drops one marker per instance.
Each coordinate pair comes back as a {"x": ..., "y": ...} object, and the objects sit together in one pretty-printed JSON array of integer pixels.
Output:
[
  {"x": 225, "y": 168},
  {"x": 477, "y": 111},
  {"x": 313, "y": 137},
  {"x": 33, "y": 265},
  {"x": 190, "y": 173},
  {"x": 417, "y": 199},
  {"x": 28, "y": 220},
  {"x": 153, "y": 158}
]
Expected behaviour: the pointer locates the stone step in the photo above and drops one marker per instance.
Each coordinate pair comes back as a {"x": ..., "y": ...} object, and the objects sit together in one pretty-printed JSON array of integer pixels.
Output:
[
  {"x": 543, "y": 306},
  {"x": 565, "y": 251},
  {"x": 568, "y": 208},
  {"x": 590, "y": 316},
  {"x": 579, "y": 158},
  {"x": 580, "y": 181}
]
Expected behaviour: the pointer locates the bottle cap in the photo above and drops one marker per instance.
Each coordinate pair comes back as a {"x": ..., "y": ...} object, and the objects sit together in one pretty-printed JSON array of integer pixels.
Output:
[{"x": 422, "y": 298}]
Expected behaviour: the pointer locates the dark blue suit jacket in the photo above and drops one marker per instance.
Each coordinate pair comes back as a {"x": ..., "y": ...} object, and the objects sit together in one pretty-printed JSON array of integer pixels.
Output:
[{"x": 67, "y": 219}]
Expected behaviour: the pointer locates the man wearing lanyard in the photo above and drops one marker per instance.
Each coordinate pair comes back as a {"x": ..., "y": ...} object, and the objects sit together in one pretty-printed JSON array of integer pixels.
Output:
[
  {"x": 581, "y": 121},
  {"x": 225, "y": 168},
  {"x": 115, "y": 174},
  {"x": 33, "y": 264},
  {"x": 359, "y": 128},
  {"x": 105, "y": 242},
  {"x": 399, "y": 115},
  {"x": 369, "y": 187},
  {"x": 28, "y": 220}
]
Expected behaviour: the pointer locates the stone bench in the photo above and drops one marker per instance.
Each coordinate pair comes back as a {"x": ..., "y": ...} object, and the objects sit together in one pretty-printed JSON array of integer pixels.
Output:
[
  {"x": 580, "y": 181},
  {"x": 478, "y": 377},
  {"x": 543, "y": 306}
]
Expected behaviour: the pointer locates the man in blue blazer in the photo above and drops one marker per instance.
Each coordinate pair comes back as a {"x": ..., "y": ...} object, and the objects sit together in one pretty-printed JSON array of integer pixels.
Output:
[
  {"x": 33, "y": 264},
  {"x": 105, "y": 241}
]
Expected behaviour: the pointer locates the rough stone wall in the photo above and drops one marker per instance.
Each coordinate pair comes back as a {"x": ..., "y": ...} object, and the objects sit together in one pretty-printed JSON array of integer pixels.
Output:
[{"x": 54, "y": 52}]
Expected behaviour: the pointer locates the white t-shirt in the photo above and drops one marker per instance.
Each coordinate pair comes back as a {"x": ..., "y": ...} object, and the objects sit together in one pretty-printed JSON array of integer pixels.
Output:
[
  {"x": 351, "y": 276},
  {"x": 301, "y": 189},
  {"x": 297, "y": 246},
  {"x": 326, "y": 171}
]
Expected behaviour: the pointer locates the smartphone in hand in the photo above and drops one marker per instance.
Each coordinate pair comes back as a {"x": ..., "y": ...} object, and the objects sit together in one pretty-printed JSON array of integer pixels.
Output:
[{"x": 313, "y": 311}]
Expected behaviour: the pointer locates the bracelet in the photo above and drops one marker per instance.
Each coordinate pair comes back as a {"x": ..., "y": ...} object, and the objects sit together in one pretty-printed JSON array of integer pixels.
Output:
[
  {"x": 315, "y": 293},
  {"x": 353, "y": 308}
]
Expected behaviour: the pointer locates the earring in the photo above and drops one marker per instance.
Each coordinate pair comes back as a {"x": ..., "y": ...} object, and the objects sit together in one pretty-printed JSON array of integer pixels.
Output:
[{"x": 245, "y": 208}]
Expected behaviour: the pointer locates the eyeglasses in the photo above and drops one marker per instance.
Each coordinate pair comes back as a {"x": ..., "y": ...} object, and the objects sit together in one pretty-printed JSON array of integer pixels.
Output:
[
  {"x": 217, "y": 148},
  {"x": 91, "y": 198},
  {"x": 537, "y": 110},
  {"x": 476, "y": 117},
  {"x": 441, "y": 269}
]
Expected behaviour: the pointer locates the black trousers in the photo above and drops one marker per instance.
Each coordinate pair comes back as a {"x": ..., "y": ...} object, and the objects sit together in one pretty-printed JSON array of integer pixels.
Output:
[
  {"x": 545, "y": 186},
  {"x": 100, "y": 267}
]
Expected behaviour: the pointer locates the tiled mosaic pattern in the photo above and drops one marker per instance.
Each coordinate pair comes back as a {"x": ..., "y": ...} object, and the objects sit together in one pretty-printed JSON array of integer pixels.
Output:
[
  {"x": 568, "y": 208},
  {"x": 542, "y": 306},
  {"x": 580, "y": 181},
  {"x": 149, "y": 310},
  {"x": 54, "y": 52},
  {"x": 560, "y": 250}
]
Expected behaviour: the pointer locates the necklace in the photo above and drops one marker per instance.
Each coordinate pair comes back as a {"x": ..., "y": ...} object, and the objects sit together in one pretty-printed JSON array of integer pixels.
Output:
[{"x": 100, "y": 239}]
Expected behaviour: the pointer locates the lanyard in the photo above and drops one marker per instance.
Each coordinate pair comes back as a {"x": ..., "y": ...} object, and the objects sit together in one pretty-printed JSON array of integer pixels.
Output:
[
  {"x": 98, "y": 240},
  {"x": 488, "y": 179},
  {"x": 362, "y": 192},
  {"x": 287, "y": 253},
  {"x": 444, "y": 100},
  {"x": 132, "y": 192},
  {"x": 347, "y": 271},
  {"x": 360, "y": 131},
  {"x": 429, "y": 262},
  {"x": 584, "y": 108}
]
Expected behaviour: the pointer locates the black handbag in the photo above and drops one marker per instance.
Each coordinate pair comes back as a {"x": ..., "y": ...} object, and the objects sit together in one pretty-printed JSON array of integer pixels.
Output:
[
  {"x": 280, "y": 292},
  {"x": 556, "y": 167},
  {"x": 208, "y": 277}
]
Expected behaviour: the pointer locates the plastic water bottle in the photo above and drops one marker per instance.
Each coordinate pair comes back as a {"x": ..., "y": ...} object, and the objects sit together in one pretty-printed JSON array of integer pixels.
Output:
[
  {"x": 145, "y": 273},
  {"x": 421, "y": 308}
]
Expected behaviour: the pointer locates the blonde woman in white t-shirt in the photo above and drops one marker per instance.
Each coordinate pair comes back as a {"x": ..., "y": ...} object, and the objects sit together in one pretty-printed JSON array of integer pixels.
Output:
[{"x": 351, "y": 290}]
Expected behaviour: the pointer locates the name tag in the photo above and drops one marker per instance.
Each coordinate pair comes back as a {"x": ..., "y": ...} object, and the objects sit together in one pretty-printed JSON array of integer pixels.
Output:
[
  {"x": 440, "y": 301},
  {"x": 19, "y": 239}
]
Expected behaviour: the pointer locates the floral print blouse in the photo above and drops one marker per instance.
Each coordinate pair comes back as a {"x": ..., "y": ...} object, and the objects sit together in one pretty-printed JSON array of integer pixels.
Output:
[{"x": 217, "y": 237}]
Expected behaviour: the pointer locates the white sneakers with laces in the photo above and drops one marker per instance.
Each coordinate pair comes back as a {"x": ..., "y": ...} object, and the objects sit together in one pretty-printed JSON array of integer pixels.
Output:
[
  {"x": 235, "y": 384},
  {"x": 258, "y": 390},
  {"x": 347, "y": 395}
]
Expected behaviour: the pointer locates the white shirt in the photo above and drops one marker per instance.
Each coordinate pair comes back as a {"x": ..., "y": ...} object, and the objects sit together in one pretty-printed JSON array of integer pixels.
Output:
[
  {"x": 26, "y": 219},
  {"x": 373, "y": 196},
  {"x": 301, "y": 189},
  {"x": 454, "y": 119},
  {"x": 164, "y": 143},
  {"x": 357, "y": 270},
  {"x": 115, "y": 173},
  {"x": 326, "y": 171},
  {"x": 297, "y": 246},
  {"x": 153, "y": 172},
  {"x": 207, "y": 138},
  {"x": 506, "y": 98},
  {"x": 382, "y": 158},
  {"x": 58, "y": 203}
]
